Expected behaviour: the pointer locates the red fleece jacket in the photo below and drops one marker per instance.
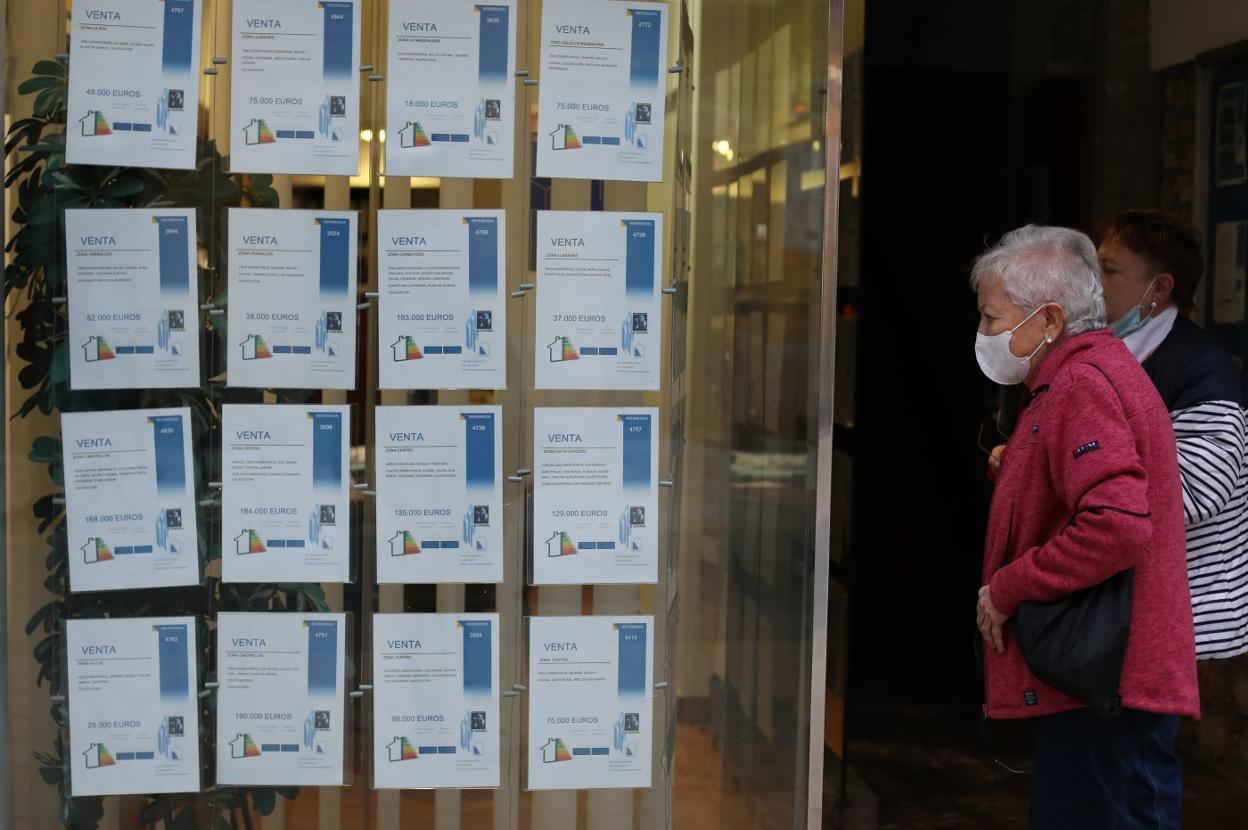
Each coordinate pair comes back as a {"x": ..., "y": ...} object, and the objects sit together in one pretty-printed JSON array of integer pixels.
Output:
[{"x": 1089, "y": 486}]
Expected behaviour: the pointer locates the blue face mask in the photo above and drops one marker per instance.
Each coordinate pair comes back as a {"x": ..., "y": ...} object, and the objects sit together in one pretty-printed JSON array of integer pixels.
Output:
[{"x": 1133, "y": 320}]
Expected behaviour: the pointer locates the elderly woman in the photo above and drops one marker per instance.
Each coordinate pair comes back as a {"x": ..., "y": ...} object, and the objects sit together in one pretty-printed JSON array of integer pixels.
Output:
[{"x": 1088, "y": 489}]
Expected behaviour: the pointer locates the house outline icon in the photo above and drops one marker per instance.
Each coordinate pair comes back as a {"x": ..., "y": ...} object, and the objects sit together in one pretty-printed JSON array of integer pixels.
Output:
[
  {"x": 251, "y": 132},
  {"x": 395, "y": 749},
  {"x": 88, "y": 552},
  {"x": 238, "y": 746},
  {"x": 555, "y": 350},
  {"x": 554, "y": 545},
  {"x": 396, "y": 544},
  {"x": 398, "y": 349},
  {"x": 249, "y": 347},
  {"x": 550, "y": 751},
  {"x": 91, "y": 756},
  {"x": 559, "y": 137},
  {"x": 91, "y": 349},
  {"x": 407, "y": 135},
  {"x": 242, "y": 543},
  {"x": 87, "y": 123}
]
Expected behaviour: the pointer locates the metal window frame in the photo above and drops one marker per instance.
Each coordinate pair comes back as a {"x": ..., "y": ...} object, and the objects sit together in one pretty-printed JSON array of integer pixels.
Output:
[{"x": 827, "y": 363}]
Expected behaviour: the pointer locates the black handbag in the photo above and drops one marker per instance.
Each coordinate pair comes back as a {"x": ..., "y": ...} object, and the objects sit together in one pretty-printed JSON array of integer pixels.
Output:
[{"x": 1077, "y": 644}]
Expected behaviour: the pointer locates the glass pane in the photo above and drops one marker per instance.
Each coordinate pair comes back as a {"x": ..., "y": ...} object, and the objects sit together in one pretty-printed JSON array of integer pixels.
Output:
[{"x": 735, "y": 605}]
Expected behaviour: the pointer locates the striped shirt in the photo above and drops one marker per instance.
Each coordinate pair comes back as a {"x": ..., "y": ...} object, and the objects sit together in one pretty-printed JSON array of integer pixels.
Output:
[
  {"x": 1202, "y": 389},
  {"x": 1212, "y": 456}
]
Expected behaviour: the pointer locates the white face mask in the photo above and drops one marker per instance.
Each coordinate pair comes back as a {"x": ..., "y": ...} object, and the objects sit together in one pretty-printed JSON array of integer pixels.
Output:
[{"x": 997, "y": 361}]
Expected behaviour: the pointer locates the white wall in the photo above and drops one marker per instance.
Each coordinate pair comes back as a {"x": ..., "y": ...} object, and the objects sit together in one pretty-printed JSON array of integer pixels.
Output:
[{"x": 1182, "y": 29}]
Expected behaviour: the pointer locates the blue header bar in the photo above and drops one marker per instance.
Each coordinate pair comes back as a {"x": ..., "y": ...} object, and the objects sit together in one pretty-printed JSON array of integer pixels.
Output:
[
  {"x": 335, "y": 255},
  {"x": 482, "y": 254},
  {"x": 639, "y": 262},
  {"x": 169, "y": 445},
  {"x": 338, "y": 38},
  {"x": 644, "y": 67},
  {"x": 479, "y": 449},
  {"x": 478, "y": 662},
  {"x": 176, "y": 50},
  {"x": 637, "y": 430},
  {"x": 174, "y": 246},
  {"x": 172, "y": 662},
  {"x": 326, "y": 449},
  {"x": 322, "y": 656},
  {"x": 632, "y": 668},
  {"x": 492, "y": 60}
]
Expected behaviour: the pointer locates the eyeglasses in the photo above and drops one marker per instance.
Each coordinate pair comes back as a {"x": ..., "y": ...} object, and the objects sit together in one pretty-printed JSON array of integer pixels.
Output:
[{"x": 983, "y": 429}]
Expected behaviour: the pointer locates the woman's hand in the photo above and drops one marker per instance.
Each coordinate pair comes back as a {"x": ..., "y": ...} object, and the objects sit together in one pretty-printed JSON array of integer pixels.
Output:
[
  {"x": 990, "y": 620},
  {"x": 994, "y": 459}
]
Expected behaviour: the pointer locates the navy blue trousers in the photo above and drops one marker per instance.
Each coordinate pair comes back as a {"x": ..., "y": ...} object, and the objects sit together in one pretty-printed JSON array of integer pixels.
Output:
[{"x": 1117, "y": 773}]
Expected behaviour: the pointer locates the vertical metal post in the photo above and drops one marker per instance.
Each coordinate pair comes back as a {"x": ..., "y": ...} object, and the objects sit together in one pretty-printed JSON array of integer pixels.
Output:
[
  {"x": 827, "y": 364},
  {"x": 5, "y": 744}
]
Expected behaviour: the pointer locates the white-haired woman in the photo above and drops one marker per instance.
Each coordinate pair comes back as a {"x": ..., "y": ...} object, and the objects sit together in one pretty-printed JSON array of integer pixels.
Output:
[{"x": 1087, "y": 490}]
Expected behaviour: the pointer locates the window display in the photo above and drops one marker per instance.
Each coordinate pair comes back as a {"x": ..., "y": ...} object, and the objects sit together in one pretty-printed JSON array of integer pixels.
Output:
[
  {"x": 435, "y": 700},
  {"x": 130, "y": 499},
  {"x": 134, "y": 88},
  {"x": 295, "y": 103},
  {"x": 133, "y": 298},
  {"x": 133, "y": 716},
  {"x": 443, "y": 314},
  {"x": 453, "y": 65},
  {"x": 284, "y": 495},
  {"x": 292, "y": 298},
  {"x": 280, "y": 706}
]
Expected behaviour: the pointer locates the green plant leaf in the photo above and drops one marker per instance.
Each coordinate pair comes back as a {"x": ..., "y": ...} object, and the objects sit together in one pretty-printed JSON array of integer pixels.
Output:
[
  {"x": 37, "y": 83},
  {"x": 121, "y": 187},
  {"x": 47, "y": 67}
]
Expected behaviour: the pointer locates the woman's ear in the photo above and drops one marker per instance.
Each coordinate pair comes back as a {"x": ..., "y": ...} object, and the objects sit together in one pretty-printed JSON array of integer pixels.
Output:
[
  {"x": 1162, "y": 289},
  {"x": 1054, "y": 317}
]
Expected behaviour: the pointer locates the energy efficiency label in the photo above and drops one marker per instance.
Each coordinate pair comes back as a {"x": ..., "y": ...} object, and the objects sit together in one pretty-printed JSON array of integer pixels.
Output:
[
  {"x": 133, "y": 298},
  {"x": 439, "y": 494},
  {"x": 435, "y": 701},
  {"x": 292, "y": 303},
  {"x": 591, "y": 720},
  {"x": 295, "y": 87},
  {"x": 129, "y": 499},
  {"x": 442, "y": 316},
  {"x": 604, "y": 76},
  {"x": 280, "y": 701},
  {"x": 133, "y": 83},
  {"x": 285, "y": 515},
  {"x": 133, "y": 706},
  {"x": 595, "y": 495},
  {"x": 599, "y": 315},
  {"x": 451, "y": 107}
]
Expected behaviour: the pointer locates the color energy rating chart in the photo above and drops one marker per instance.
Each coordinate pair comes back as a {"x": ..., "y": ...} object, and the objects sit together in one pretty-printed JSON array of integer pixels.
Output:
[
  {"x": 595, "y": 495},
  {"x": 130, "y": 499},
  {"x": 435, "y": 700},
  {"x": 599, "y": 315},
  {"x": 442, "y": 320},
  {"x": 280, "y": 701},
  {"x": 439, "y": 494},
  {"x": 133, "y": 706},
  {"x": 133, "y": 298},
  {"x": 590, "y": 702},
  {"x": 134, "y": 83},
  {"x": 603, "y": 97},
  {"x": 285, "y": 490},
  {"x": 451, "y": 109},
  {"x": 295, "y": 95},
  {"x": 292, "y": 284}
]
